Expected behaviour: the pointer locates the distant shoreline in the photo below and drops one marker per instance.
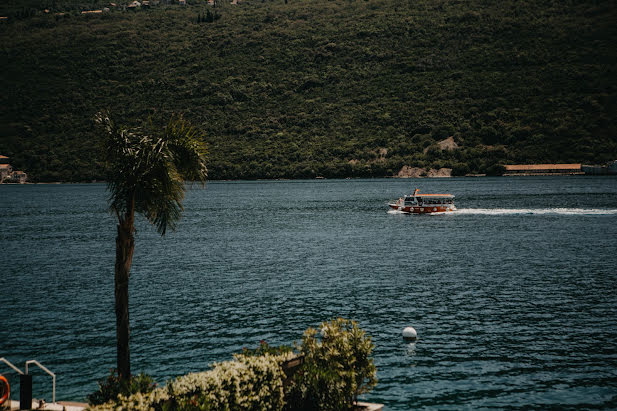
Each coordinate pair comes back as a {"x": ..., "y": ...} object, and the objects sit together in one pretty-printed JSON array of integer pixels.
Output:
[{"x": 341, "y": 178}]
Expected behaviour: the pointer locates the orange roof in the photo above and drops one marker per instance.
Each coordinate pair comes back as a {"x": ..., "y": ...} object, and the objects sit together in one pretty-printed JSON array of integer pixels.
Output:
[
  {"x": 524, "y": 167},
  {"x": 5, "y": 165},
  {"x": 3, "y": 157},
  {"x": 433, "y": 195}
]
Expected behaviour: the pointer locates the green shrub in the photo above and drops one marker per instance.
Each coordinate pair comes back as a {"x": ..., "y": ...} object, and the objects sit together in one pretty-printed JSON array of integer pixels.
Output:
[
  {"x": 336, "y": 368},
  {"x": 157, "y": 399},
  {"x": 265, "y": 348},
  {"x": 246, "y": 383},
  {"x": 112, "y": 386}
]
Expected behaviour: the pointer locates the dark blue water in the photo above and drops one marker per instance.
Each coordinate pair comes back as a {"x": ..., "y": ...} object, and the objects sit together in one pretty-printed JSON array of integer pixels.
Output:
[{"x": 513, "y": 297}]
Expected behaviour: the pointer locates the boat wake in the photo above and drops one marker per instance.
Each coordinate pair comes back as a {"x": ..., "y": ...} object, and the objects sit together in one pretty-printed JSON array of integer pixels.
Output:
[
  {"x": 523, "y": 211},
  {"x": 538, "y": 211}
]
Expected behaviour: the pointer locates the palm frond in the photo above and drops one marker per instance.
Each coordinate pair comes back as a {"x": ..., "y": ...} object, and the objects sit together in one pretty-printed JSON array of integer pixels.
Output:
[
  {"x": 188, "y": 149},
  {"x": 146, "y": 172}
]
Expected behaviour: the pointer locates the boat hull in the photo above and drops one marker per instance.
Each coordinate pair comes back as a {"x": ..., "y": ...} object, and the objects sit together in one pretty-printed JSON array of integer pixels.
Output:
[{"x": 423, "y": 210}]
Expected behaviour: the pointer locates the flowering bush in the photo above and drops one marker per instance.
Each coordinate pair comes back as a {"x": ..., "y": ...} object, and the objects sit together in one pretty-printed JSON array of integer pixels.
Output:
[
  {"x": 157, "y": 399},
  {"x": 336, "y": 368},
  {"x": 246, "y": 383},
  {"x": 112, "y": 386}
]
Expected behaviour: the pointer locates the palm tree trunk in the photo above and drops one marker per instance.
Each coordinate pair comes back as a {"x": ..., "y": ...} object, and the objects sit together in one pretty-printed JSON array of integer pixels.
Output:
[{"x": 125, "y": 244}]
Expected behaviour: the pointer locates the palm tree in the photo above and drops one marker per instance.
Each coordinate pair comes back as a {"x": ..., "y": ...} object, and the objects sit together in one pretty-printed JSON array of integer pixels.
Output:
[{"x": 146, "y": 174}]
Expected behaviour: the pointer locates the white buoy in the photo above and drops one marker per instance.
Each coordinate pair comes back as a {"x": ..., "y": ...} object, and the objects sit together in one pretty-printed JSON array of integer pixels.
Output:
[{"x": 410, "y": 334}]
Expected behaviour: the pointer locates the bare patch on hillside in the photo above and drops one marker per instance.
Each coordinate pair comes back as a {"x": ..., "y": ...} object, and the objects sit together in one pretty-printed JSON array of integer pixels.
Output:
[
  {"x": 448, "y": 144},
  {"x": 416, "y": 172},
  {"x": 442, "y": 172}
]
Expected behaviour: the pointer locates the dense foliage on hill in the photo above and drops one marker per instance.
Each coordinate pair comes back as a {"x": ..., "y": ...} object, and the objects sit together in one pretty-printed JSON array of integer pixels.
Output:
[{"x": 337, "y": 88}]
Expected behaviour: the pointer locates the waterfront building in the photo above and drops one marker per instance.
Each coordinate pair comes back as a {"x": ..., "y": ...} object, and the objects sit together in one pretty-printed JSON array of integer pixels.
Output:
[
  {"x": 7, "y": 175},
  {"x": 543, "y": 169}
]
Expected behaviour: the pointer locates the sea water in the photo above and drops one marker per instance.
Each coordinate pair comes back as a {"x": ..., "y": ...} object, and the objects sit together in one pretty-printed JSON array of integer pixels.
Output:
[{"x": 513, "y": 296}]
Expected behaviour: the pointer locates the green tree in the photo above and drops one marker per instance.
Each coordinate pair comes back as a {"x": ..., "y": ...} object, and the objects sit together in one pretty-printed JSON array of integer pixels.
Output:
[{"x": 145, "y": 174}]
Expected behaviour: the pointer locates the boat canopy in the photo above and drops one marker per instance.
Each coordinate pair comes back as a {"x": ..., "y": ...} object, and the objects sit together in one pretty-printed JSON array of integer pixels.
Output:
[{"x": 431, "y": 195}]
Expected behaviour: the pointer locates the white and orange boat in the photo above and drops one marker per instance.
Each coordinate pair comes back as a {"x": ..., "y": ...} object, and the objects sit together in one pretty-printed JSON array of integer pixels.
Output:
[{"x": 417, "y": 203}]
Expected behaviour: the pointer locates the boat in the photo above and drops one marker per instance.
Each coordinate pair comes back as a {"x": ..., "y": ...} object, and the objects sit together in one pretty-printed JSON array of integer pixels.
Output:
[{"x": 418, "y": 203}]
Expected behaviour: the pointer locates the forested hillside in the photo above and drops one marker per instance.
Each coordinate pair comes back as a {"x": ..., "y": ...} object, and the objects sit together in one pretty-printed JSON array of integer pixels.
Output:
[{"x": 331, "y": 88}]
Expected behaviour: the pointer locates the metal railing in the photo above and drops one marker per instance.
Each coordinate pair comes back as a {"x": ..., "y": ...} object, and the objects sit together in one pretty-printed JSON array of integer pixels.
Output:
[
  {"x": 42, "y": 367},
  {"x": 7, "y": 362},
  {"x": 53, "y": 376}
]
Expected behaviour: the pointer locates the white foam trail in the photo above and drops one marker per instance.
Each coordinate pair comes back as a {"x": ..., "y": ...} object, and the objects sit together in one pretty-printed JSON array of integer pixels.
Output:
[{"x": 556, "y": 211}]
